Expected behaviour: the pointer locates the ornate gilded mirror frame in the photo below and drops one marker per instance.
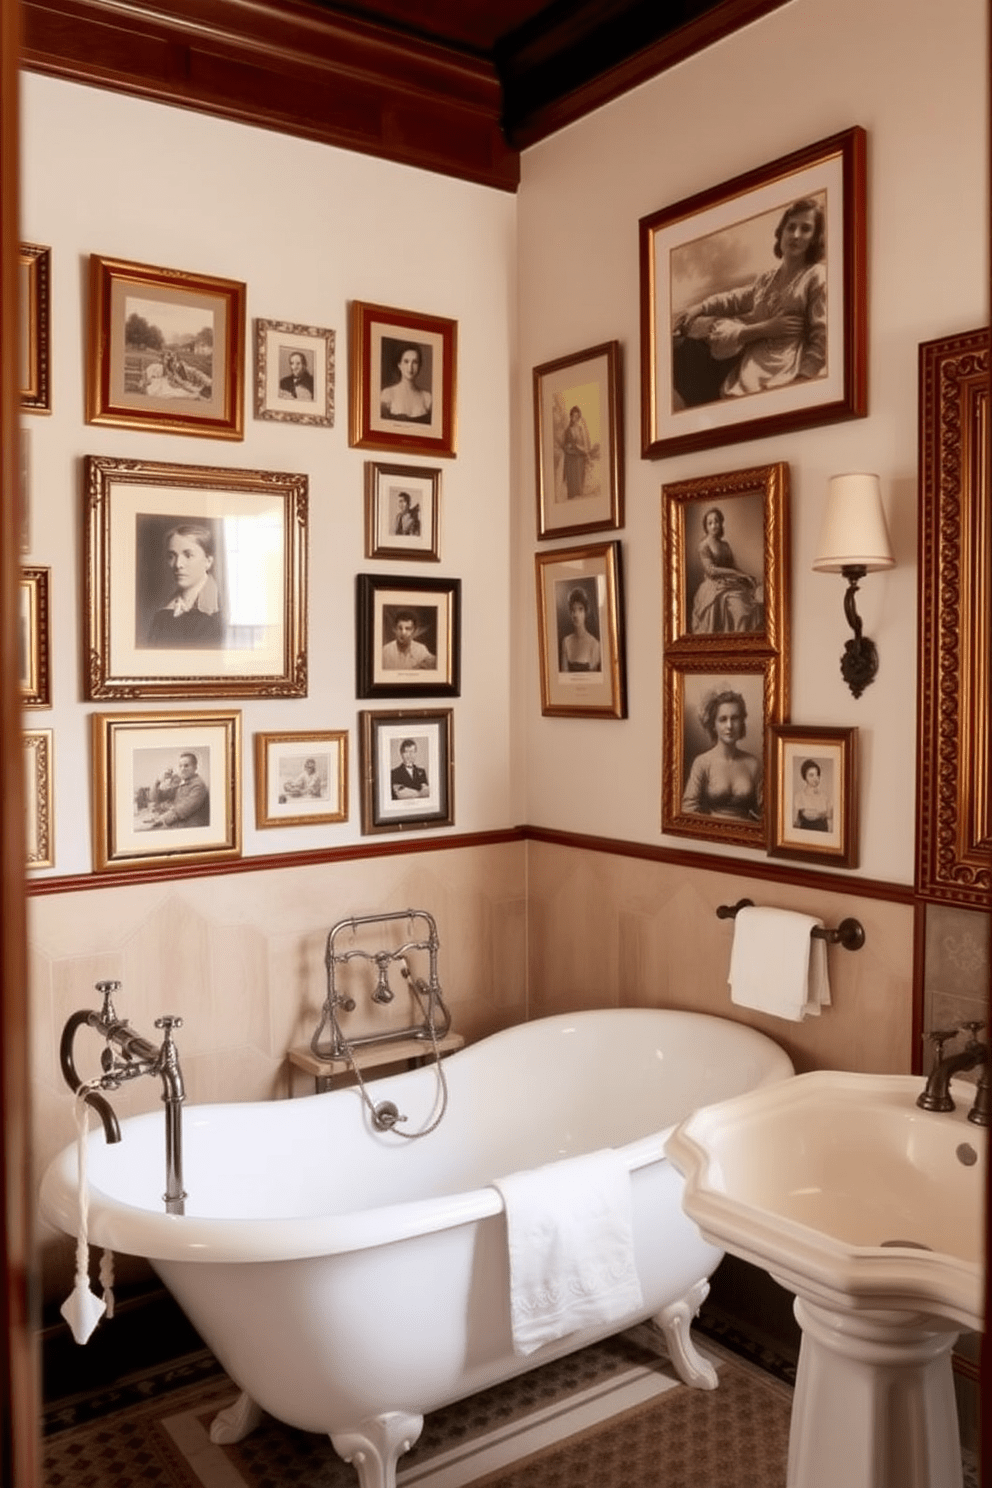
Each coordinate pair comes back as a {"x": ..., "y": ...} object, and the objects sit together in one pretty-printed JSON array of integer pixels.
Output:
[{"x": 954, "y": 831}]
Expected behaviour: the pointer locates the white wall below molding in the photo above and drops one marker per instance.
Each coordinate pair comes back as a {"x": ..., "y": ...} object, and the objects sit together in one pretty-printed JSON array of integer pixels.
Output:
[
  {"x": 915, "y": 76},
  {"x": 308, "y": 228}
]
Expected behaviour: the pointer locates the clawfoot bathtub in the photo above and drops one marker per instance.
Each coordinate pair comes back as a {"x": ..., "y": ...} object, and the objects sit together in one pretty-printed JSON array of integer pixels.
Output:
[{"x": 350, "y": 1280}]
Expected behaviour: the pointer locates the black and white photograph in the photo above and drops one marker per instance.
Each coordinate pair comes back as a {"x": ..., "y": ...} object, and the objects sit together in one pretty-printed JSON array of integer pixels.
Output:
[
  {"x": 753, "y": 298},
  {"x": 301, "y": 779},
  {"x": 581, "y": 632},
  {"x": 294, "y": 373},
  {"x": 726, "y": 544},
  {"x": 813, "y": 795},
  {"x": 402, "y": 511},
  {"x": 196, "y": 580},
  {"x": 166, "y": 350},
  {"x": 408, "y": 636},
  {"x": 407, "y": 770},
  {"x": 166, "y": 788},
  {"x": 717, "y": 721},
  {"x": 403, "y": 380}
]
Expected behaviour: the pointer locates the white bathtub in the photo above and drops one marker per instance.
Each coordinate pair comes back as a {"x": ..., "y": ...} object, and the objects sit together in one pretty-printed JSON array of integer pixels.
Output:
[{"x": 351, "y": 1280}]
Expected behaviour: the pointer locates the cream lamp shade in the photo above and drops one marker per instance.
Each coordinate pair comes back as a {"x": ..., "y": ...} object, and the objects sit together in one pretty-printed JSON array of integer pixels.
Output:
[{"x": 854, "y": 532}]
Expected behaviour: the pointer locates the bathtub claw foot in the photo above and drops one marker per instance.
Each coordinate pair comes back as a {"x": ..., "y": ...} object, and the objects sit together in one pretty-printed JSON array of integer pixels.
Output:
[
  {"x": 236, "y": 1421},
  {"x": 675, "y": 1320},
  {"x": 375, "y": 1445}
]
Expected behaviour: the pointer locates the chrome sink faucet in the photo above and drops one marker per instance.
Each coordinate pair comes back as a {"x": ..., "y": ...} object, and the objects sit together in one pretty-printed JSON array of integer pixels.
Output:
[{"x": 937, "y": 1095}]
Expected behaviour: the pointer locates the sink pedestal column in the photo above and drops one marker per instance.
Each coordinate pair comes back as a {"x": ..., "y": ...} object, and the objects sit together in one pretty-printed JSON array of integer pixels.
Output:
[{"x": 874, "y": 1404}]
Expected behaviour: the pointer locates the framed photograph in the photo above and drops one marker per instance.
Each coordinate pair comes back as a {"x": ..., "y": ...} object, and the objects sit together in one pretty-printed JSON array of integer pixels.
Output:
[
  {"x": 166, "y": 350},
  {"x": 34, "y": 288},
  {"x": 407, "y": 770},
  {"x": 195, "y": 581},
  {"x": 34, "y": 638},
  {"x": 754, "y": 315},
  {"x": 402, "y": 511},
  {"x": 726, "y": 545},
  {"x": 409, "y": 636},
  {"x": 403, "y": 380},
  {"x": 301, "y": 779},
  {"x": 166, "y": 789},
  {"x": 39, "y": 808},
  {"x": 578, "y": 436},
  {"x": 294, "y": 373},
  {"x": 718, "y": 717},
  {"x": 814, "y": 795},
  {"x": 581, "y": 633}
]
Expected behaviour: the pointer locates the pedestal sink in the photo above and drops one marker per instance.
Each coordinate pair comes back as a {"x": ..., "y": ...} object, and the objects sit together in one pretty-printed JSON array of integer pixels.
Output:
[{"x": 872, "y": 1212}]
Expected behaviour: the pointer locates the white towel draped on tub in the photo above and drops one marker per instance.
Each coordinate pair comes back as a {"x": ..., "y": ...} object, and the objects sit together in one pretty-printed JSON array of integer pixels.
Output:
[
  {"x": 776, "y": 965},
  {"x": 571, "y": 1244}
]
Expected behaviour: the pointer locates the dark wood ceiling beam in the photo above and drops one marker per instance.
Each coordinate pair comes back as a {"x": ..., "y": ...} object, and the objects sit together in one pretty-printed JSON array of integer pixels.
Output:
[{"x": 286, "y": 67}]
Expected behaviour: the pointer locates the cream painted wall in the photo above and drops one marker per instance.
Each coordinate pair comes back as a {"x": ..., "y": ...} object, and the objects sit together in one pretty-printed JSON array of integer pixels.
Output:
[
  {"x": 915, "y": 76},
  {"x": 309, "y": 229}
]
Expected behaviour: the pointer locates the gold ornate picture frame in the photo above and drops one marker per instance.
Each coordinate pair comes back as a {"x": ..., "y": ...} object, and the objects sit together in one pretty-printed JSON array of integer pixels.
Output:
[
  {"x": 713, "y": 262},
  {"x": 35, "y": 288},
  {"x": 294, "y": 373},
  {"x": 578, "y": 440},
  {"x": 166, "y": 789},
  {"x": 39, "y": 803},
  {"x": 726, "y": 575},
  {"x": 154, "y": 533},
  {"x": 719, "y": 712},
  {"x": 403, "y": 380},
  {"x": 814, "y": 795},
  {"x": 34, "y": 638},
  {"x": 166, "y": 350},
  {"x": 581, "y": 638},
  {"x": 301, "y": 779}
]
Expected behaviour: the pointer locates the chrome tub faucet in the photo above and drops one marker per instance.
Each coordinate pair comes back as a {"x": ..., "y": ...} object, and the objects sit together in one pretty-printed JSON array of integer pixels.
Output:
[
  {"x": 127, "y": 1056},
  {"x": 937, "y": 1095}
]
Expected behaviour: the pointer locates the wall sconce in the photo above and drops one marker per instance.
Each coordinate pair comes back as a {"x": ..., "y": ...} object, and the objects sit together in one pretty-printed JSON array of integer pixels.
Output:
[{"x": 854, "y": 541}]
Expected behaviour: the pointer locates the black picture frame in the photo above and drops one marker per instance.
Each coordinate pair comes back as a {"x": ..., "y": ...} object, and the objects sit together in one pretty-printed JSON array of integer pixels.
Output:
[{"x": 382, "y": 603}]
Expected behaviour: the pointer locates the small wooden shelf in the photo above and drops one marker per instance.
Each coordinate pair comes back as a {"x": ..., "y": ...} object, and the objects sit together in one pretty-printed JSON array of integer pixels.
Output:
[{"x": 411, "y": 1051}]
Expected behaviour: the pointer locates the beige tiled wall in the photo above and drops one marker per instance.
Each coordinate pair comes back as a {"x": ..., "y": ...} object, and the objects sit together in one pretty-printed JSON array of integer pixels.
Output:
[{"x": 526, "y": 929}]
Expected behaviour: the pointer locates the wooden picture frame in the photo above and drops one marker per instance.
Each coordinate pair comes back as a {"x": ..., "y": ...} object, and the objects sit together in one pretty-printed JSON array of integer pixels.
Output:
[
  {"x": 409, "y": 636},
  {"x": 402, "y": 512},
  {"x": 166, "y": 350},
  {"x": 814, "y": 795},
  {"x": 711, "y": 264},
  {"x": 166, "y": 789},
  {"x": 422, "y": 740},
  {"x": 581, "y": 632},
  {"x": 301, "y": 779},
  {"x": 954, "y": 744},
  {"x": 34, "y": 638},
  {"x": 35, "y": 328},
  {"x": 294, "y": 373},
  {"x": 578, "y": 440},
  {"x": 701, "y": 797},
  {"x": 246, "y": 530},
  {"x": 39, "y": 803},
  {"x": 727, "y": 551},
  {"x": 403, "y": 380}
]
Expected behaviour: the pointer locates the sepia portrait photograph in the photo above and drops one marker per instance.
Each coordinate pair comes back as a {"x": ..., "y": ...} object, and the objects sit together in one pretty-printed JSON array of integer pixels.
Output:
[
  {"x": 726, "y": 545},
  {"x": 717, "y": 719},
  {"x": 578, "y": 427},
  {"x": 403, "y": 380},
  {"x": 196, "y": 580},
  {"x": 580, "y": 621},
  {"x": 753, "y": 299},
  {"x": 814, "y": 795},
  {"x": 166, "y": 350}
]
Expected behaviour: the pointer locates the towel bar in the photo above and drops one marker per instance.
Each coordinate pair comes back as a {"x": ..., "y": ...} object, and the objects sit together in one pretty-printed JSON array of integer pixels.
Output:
[{"x": 850, "y": 933}]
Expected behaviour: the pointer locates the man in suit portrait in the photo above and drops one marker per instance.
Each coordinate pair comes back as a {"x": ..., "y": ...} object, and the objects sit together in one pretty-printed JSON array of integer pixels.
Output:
[
  {"x": 299, "y": 382},
  {"x": 409, "y": 780}
]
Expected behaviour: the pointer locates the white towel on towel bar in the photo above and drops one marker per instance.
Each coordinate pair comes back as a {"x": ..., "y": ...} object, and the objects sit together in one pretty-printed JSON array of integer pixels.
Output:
[
  {"x": 776, "y": 964},
  {"x": 571, "y": 1243}
]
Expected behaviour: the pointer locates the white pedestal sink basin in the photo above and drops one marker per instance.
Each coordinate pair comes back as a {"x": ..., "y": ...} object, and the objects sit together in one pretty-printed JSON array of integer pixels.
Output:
[{"x": 871, "y": 1211}]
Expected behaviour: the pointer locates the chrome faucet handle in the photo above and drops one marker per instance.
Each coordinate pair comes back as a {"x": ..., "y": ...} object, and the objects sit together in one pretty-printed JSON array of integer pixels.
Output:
[
  {"x": 106, "y": 991},
  {"x": 168, "y": 1021}
]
